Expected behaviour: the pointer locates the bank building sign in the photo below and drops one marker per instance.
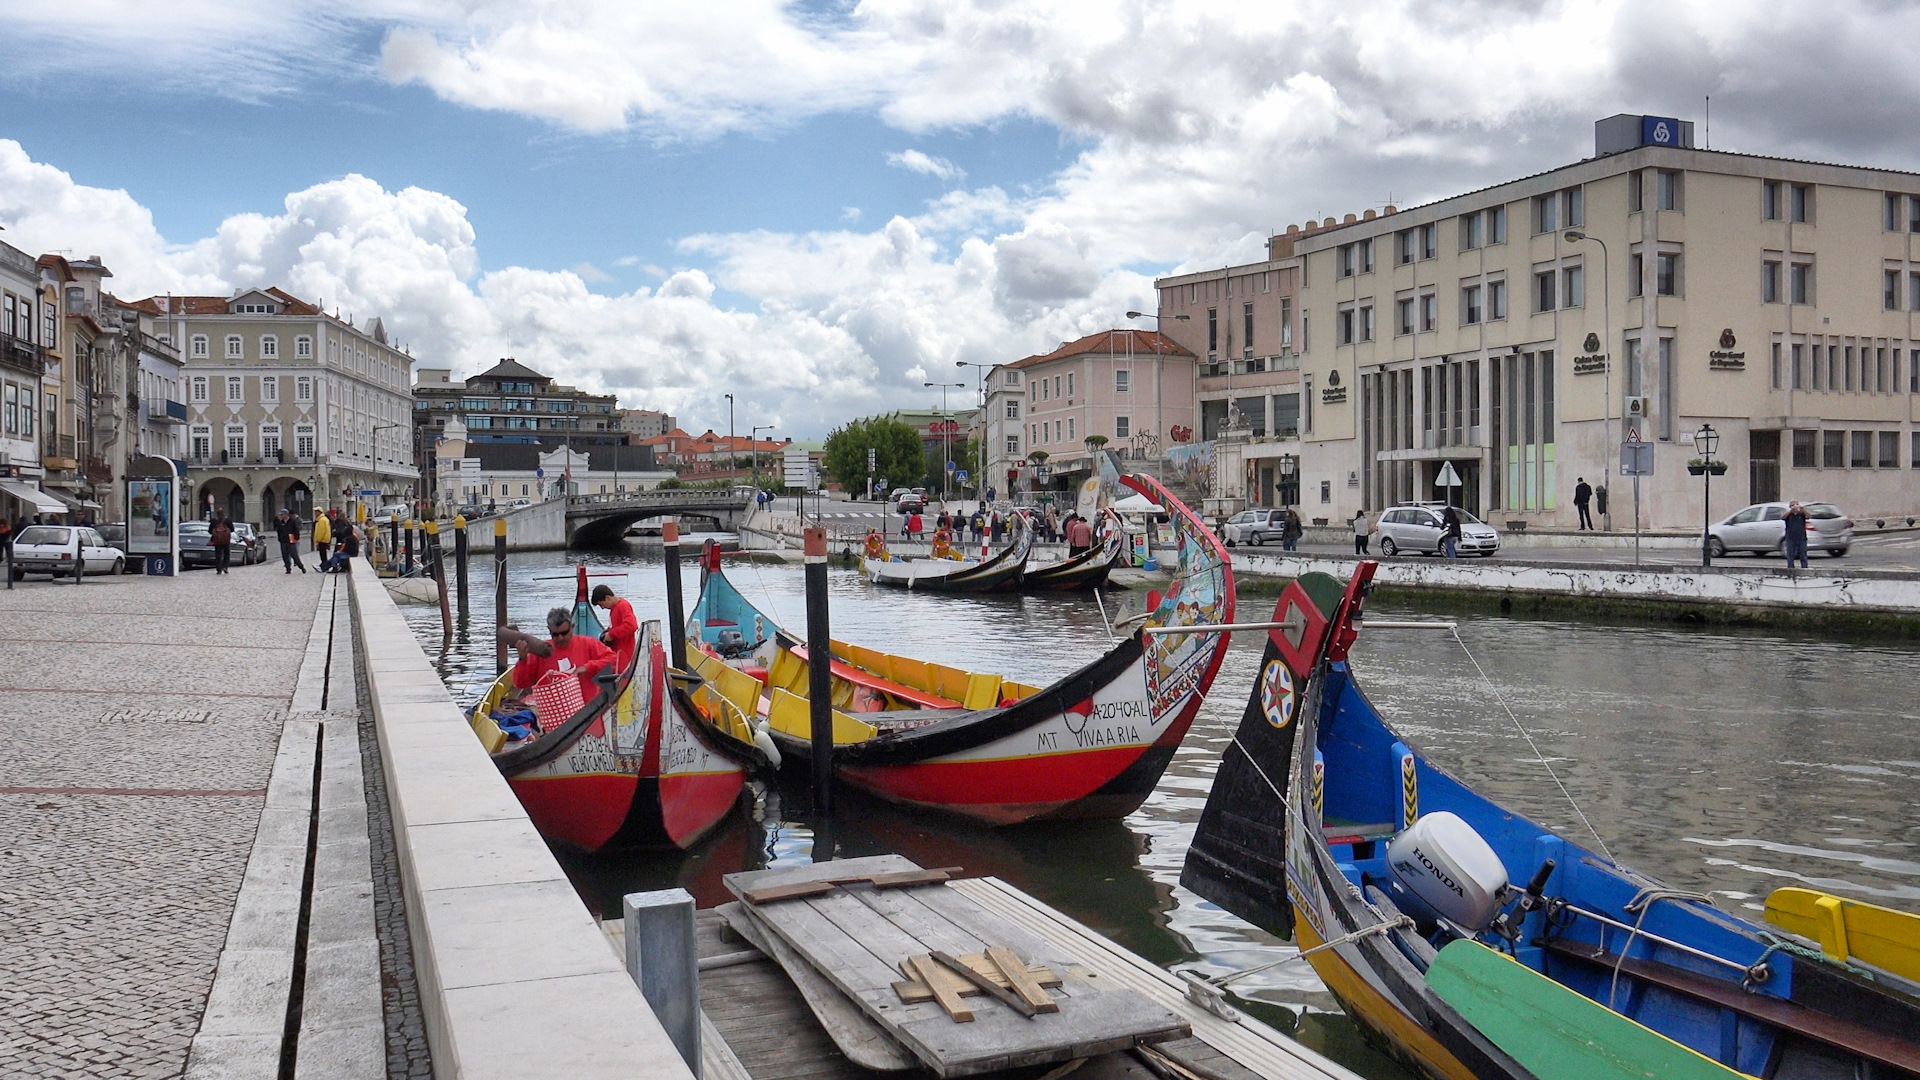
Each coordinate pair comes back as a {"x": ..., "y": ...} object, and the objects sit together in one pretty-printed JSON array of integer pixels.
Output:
[
  {"x": 1725, "y": 358},
  {"x": 1590, "y": 361}
]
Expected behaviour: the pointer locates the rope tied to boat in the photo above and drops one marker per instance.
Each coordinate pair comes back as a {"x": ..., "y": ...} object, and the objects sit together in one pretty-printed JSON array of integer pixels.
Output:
[
  {"x": 1398, "y": 922},
  {"x": 1638, "y": 907},
  {"x": 1524, "y": 733}
]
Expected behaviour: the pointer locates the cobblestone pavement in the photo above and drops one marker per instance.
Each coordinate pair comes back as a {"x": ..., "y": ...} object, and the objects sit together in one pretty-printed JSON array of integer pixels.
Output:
[{"x": 142, "y": 716}]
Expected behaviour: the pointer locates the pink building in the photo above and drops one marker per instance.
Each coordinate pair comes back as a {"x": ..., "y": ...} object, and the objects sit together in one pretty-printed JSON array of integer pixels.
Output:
[{"x": 1128, "y": 387}]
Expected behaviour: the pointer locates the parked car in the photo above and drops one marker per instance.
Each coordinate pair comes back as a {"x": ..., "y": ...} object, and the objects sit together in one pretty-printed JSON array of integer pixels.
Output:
[
  {"x": 196, "y": 545},
  {"x": 1416, "y": 527},
  {"x": 1762, "y": 529},
  {"x": 908, "y": 501},
  {"x": 256, "y": 544},
  {"x": 518, "y": 503},
  {"x": 1254, "y": 527},
  {"x": 58, "y": 550}
]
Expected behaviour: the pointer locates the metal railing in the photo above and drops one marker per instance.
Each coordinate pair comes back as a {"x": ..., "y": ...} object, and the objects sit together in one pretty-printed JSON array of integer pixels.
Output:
[{"x": 60, "y": 446}]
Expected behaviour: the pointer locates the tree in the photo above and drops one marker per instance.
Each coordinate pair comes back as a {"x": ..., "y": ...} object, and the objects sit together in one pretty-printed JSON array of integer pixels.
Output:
[{"x": 896, "y": 450}]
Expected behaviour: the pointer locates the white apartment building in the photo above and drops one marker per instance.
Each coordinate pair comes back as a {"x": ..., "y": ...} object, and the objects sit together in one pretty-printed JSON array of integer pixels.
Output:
[
  {"x": 1509, "y": 331},
  {"x": 288, "y": 407}
]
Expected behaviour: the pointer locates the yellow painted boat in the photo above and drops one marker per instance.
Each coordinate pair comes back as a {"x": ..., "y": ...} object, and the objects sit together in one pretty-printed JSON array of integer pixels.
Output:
[{"x": 1851, "y": 929}]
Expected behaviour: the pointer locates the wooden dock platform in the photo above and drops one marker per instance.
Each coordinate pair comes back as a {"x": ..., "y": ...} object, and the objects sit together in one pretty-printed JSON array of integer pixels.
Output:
[{"x": 758, "y": 1026}]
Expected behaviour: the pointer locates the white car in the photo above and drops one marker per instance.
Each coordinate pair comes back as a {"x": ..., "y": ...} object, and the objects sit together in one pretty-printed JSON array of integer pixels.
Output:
[
  {"x": 57, "y": 550},
  {"x": 1254, "y": 527},
  {"x": 1762, "y": 529},
  {"x": 1416, "y": 527}
]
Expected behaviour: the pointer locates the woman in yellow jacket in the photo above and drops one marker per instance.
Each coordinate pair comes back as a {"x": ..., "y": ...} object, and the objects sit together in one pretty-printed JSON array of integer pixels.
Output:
[{"x": 322, "y": 534}]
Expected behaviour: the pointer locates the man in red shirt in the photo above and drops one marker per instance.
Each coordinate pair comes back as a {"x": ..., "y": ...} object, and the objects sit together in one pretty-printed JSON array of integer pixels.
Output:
[
  {"x": 580, "y": 656},
  {"x": 622, "y": 628}
]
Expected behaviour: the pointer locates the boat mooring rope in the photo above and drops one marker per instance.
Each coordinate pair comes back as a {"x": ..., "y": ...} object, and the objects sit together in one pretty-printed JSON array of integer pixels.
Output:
[
  {"x": 1595, "y": 833},
  {"x": 1400, "y": 922},
  {"x": 1642, "y": 903}
]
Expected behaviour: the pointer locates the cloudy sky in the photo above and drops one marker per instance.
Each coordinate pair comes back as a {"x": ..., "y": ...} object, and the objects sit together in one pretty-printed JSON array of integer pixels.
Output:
[{"x": 820, "y": 206}]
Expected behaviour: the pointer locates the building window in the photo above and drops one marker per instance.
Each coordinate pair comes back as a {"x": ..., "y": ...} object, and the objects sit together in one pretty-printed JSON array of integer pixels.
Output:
[
  {"x": 1803, "y": 448},
  {"x": 1862, "y": 457},
  {"x": 200, "y": 442},
  {"x": 1833, "y": 449},
  {"x": 1546, "y": 293},
  {"x": 1430, "y": 240},
  {"x": 1801, "y": 199},
  {"x": 1546, "y": 213},
  {"x": 1403, "y": 316},
  {"x": 1343, "y": 326},
  {"x": 303, "y": 442},
  {"x": 236, "y": 442},
  {"x": 269, "y": 388},
  {"x": 1573, "y": 287},
  {"x": 1890, "y": 290},
  {"x": 199, "y": 385},
  {"x": 1770, "y": 281},
  {"x": 1469, "y": 231},
  {"x": 1777, "y": 373},
  {"x": 1889, "y": 449},
  {"x": 1636, "y": 191},
  {"x": 1070, "y": 434},
  {"x": 1366, "y": 323},
  {"x": 1893, "y": 218},
  {"x": 1800, "y": 283},
  {"x": 1496, "y": 300},
  {"x": 1667, "y": 187},
  {"x": 1013, "y": 409},
  {"x": 234, "y": 389},
  {"x": 269, "y": 347},
  {"x": 1636, "y": 274},
  {"x": 303, "y": 348},
  {"x": 1913, "y": 371},
  {"x": 197, "y": 346},
  {"x": 1346, "y": 256},
  {"x": 1213, "y": 330},
  {"x": 1122, "y": 428},
  {"x": 234, "y": 350},
  {"x": 1470, "y": 305},
  {"x": 1246, "y": 324},
  {"x": 1069, "y": 385},
  {"x": 1573, "y": 207},
  {"x": 1013, "y": 445},
  {"x": 303, "y": 389},
  {"x": 1403, "y": 246},
  {"x": 1666, "y": 271},
  {"x": 270, "y": 442},
  {"x": 1799, "y": 367},
  {"x": 1286, "y": 321},
  {"x": 1429, "y": 312},
  {"x": 1770, "y": 200},
  {"x": 1366, "y": 256}
]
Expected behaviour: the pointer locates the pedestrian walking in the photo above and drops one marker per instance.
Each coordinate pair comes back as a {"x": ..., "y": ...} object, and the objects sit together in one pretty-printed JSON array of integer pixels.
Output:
[
  {"x": 1796, "y": 542},
  {"x": 322, "y": 535},
  {"x": 1291, "y": 531},
  {"x": 1583, "y": 495},
  {"x": 915, "y": 525},
  {"x": 1360, "y": 531},
  {"x": 287, "y": 528},
  {"x": 1450, "y": 533},
  {"x": 906, "y": 526},
  {"x": 221, "y": 533}
]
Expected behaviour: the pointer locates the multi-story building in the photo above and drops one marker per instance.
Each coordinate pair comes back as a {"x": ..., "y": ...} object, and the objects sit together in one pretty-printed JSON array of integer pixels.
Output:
[
  {"x": 1124, "y": 389},
  {"x": 288, "y": 407},
  {"x": 508, "y": 403},
  {"x": 80, "y": 390},
  {"x": 23, "y": 366},
  {"x": 711, "y": 453},
  {"x": 639, "y": 424},
  {"x": 493, "y": 474},
  {"x": 1522, "y": 331}
]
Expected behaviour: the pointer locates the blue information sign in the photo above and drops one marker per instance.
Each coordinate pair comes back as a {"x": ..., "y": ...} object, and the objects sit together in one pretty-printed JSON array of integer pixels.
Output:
[
  {"x": 960, "y": 476},
  {"x": 1659, "y": 131}
]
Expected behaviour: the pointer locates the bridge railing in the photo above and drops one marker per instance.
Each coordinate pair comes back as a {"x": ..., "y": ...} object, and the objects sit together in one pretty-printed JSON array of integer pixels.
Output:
[{"x": 678, "y": 496}]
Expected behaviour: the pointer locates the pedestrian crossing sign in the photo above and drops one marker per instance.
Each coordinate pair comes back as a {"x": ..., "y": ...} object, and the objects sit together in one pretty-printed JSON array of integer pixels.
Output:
[{"x": 1633, "y": 434}]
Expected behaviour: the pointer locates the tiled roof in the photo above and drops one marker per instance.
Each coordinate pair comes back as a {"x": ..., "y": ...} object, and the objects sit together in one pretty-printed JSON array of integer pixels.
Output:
[
  {"x": 509, "y": 368},
  {"x": 1115, "y": 342}
]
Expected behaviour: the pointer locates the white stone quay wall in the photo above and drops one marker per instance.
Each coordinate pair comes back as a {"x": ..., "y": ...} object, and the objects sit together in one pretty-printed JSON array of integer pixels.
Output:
[
  {"x": 516, "y": 979},
  {"x": 1768, "y": 588}
]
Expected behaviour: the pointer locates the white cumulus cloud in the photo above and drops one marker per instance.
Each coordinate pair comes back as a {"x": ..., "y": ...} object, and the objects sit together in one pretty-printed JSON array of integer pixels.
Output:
[{"x": 927, "y": 165}]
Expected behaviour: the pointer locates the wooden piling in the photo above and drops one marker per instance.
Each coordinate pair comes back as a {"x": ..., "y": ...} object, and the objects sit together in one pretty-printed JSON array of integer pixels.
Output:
[
  {"x": 676, "y": 609},
  {"x": 499, "y": 592},
  {"x": 460, "y": 561},
  {"x": 437, "y": 568},
  {"x": 819, "y": 671}
]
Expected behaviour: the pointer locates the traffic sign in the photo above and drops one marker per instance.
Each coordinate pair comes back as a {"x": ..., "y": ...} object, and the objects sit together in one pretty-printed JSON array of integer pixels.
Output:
[
  {"x": 960, "y": 476},
  {"x": 540, "y": 474},
  {"x": 1633, "y": 434},
  {"x": 951, "y": 466},
  {"x": 1448, "y": 477},
  {"x": 1636, "y": 458}
]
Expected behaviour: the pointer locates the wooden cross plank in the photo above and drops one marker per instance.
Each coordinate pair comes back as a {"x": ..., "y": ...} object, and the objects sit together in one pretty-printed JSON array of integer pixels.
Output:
[
  {"x": 912, "y": 990},
  {"x": 1005, "y": 996},
  {"x": 1020, "y": 980},
  {"x": 946, "y": 986}
]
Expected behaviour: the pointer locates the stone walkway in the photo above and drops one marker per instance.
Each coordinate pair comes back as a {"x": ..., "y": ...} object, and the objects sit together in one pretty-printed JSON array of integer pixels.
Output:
[{"x": 142, "y": 717}]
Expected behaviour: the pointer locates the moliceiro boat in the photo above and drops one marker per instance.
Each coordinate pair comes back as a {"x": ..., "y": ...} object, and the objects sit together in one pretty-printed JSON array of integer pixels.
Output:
[
  {"x": 975, "y": 744},
  {"x": 627, "y": 769},
  {"x": 950, "y": 571},
  {"x": 1087, "y": 570},
  {"x": 1472, "y": 942}
]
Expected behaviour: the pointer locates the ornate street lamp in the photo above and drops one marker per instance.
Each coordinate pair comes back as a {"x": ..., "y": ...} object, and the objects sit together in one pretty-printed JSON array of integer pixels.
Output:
[{"x": 1706, "y": 441}]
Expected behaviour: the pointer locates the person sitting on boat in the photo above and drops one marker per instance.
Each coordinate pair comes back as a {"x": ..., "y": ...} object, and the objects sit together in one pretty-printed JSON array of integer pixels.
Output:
[
  {"x": 622, "y": 628},
  {"x": 579, "y": 656},
  {"x": 877, "y": 546}
]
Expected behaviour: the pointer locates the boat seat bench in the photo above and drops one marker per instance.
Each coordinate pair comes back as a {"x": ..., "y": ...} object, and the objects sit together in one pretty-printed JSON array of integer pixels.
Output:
[{"x": 1785, "y": 1015}]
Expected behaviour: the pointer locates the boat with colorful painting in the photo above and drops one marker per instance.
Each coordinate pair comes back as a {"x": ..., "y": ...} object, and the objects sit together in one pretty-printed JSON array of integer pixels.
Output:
[
  {"x": 625, "y": 768},
  {"x": 1399, "y": 880},
  {"x": 948, "y": 569},
  {"x": 979, "y": 745},
  {"x": 1087, "y": 570}
]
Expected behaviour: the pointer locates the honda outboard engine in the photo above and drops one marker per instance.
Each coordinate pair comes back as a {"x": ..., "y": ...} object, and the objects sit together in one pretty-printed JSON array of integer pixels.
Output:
[{"x": 1444, "y": 870}]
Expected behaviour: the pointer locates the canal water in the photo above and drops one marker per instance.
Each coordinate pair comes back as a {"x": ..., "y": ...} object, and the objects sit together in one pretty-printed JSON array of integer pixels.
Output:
[{"x": 1730, "y": 763}]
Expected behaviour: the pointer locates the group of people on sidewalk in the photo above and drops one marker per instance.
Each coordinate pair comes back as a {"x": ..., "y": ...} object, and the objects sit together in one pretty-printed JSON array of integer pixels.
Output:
[{"x": 335, "y": 541}]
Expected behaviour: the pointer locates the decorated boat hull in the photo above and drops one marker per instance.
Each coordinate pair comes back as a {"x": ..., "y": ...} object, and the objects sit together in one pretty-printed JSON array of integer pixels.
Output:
[
  {"x": 995, "y": 573},
  {"x": 1087, "y": 570},
  {"x": 1091, "y": 745},
  {"x": 1314, "y": 763}
]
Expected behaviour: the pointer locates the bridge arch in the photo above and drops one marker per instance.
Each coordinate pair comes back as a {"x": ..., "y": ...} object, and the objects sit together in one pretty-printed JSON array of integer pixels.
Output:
[{"x": 599, "y": 523}]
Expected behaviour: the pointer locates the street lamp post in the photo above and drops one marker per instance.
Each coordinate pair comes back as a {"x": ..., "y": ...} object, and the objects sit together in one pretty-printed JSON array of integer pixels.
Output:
[
  {"x": 1606, "y": 367},
  {"x": 730, "y": 446},
  {"x": 981, "y": 420},
  {"x": 946, "y": 433},
  {"x": 1706, "y": 440},
  {"x": 1159, "y": 361},
  {"x": 753, "y": 440}
]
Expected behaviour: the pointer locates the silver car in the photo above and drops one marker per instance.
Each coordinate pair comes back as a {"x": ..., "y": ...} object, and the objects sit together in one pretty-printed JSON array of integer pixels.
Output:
[
  {"x": 1254, "y": 527},
  {"x": 61, "y": 549},
  {"x": 1416, "y": 527},
  {"x": 1762, "y": 529}
]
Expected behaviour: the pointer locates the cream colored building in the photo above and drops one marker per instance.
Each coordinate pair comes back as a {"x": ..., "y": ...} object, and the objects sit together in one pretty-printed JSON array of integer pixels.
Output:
[
  {"x": 1772, "y": 299},
  {"x": 288, "y": 407}
]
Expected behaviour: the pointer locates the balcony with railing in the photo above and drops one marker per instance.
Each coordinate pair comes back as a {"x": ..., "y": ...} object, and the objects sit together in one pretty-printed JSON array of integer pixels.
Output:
[
  {"x": 23, "y": 355},
  {"x": 58, "y": 452},
  {"x": 162, "y": 411}
]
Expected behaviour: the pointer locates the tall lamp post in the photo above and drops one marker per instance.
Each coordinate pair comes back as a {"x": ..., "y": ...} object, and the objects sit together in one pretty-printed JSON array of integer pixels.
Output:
[
  {"x": 946, "y": 433},
  {"x": 1575, "y": 236},
  {"x": 1159, "y": 359},
  {"x": 1706, "y": 441},
  {"x": 753, "y": 441},
  {"x": 730, "y": 446}
]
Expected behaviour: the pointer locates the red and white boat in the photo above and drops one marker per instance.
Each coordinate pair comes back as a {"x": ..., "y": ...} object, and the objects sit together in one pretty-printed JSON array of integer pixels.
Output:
[
  {"x": 629, "y": 769},
  {"x": 1091, "y": 745}
]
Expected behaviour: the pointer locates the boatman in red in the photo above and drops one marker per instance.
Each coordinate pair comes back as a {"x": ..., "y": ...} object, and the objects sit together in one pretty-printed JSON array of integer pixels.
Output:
[
  {"x": 568, "y": 652},
  {"x": 623, "y": 630}
]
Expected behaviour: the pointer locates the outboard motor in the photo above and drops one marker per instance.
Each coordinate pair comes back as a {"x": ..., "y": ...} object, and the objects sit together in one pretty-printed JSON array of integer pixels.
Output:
[
  {"x": 732, "y": 644},
  {"x": 1444, "y": 871}
]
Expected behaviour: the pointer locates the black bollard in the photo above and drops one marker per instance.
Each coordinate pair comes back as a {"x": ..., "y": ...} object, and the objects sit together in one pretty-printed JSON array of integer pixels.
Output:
[
  {"x": 819, "y": 671},
  {"x": 406, "y": 539},
  {"x": 393, "y": 546},
  {"x": 433, "y": 565},
  {"x": 9, "y": 563},
  {"x": 676, "y": 610},
  {"x": 79, "y": 563},
  {"x": 460, "y": 561},
  {"x": 499, "y": 592}
]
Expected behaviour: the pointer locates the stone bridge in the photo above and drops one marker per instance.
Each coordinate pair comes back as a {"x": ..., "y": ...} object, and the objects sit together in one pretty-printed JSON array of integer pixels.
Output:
[{"x": 601, "y": 520}]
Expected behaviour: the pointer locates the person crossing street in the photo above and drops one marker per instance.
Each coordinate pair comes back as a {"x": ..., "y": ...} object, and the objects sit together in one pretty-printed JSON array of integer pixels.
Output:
[{"x": 287, "y": 528}]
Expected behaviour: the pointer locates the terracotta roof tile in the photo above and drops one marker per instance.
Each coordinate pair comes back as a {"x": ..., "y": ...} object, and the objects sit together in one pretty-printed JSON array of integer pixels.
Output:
[{"x": 1144, "y": 342}]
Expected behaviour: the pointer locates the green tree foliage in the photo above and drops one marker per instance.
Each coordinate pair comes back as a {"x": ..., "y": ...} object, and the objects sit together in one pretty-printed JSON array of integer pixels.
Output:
[{"x": 897, "y": 454}]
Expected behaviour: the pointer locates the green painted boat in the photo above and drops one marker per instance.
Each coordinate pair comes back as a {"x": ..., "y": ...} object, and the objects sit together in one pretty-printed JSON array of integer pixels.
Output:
[{"x": 1553, "y": 1031}]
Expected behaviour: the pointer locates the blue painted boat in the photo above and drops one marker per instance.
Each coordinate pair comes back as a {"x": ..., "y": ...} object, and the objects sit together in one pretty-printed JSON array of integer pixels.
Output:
[{"x": 1326, "y": 823}]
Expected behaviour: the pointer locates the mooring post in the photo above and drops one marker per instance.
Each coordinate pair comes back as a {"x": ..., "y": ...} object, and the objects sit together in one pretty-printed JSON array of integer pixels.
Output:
[
  {"x": 819, "y": 670},
  {"x": 499, "y": 593},
  {"x": 663, "y": 960},
  {"x": 676, "y": 610},
  {"x": 393, "y": 546},
  {"x": 406, "y": 562},
  {"x": 437, "y": 567},
  {"x": 460, "y": 560}
]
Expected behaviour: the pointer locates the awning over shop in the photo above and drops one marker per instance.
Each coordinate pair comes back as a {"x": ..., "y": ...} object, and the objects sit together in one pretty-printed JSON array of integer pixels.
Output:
[{"x": 41, "y": 501}]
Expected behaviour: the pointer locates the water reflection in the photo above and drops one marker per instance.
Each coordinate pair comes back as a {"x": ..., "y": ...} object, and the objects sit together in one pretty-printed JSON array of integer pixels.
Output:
[{"x": 1731, "y": 763}]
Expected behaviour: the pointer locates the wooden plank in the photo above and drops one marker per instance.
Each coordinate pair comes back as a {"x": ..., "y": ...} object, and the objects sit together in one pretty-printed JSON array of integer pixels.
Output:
[
  {"x": 911, "y": 990},
  {"x": 941, "y": 982},
  {"x": 1553, "y": 1030},
  {"x": 781, "y": 875},
  {"x": 1020, "y": 980},
  {"x": 1851, "y": 929},
  {"x": 1005, "y": 996},
  {"x": 862, "y": 1040},
  {"x": 797, "y": 889}
]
